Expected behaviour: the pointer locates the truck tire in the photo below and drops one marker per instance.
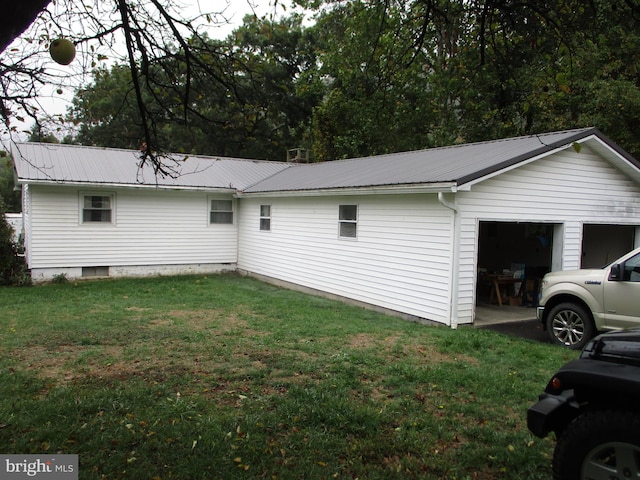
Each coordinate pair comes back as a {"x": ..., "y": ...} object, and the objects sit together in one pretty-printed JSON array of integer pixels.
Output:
[
  {"x": 570, "y": 325},
  {"x": 599, "y": 445}
]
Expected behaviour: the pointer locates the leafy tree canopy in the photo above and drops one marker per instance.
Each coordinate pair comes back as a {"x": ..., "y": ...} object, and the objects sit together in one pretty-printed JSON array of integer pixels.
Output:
[
  {"x": 164, "y": 51},
  {"x": 367, "y": 77},
  {"x": 9, "y": 196},
  {"x": 268, "y": 112},
  {"x": 417, "y": 74}
]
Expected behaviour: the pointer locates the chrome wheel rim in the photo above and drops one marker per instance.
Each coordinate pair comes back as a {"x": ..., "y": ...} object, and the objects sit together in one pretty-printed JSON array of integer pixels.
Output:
[
  {"x": 617, "y": 460},
  {"x": 568, "y": 327}
]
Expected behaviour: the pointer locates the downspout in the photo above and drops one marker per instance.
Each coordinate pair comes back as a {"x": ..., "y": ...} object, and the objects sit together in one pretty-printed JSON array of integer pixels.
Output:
[{"x": 453, "y": 307}]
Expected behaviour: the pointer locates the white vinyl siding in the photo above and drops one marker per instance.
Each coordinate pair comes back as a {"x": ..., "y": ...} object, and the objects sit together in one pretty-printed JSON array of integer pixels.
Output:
[
  {"x": 567, "y": 188},
  {"x": 154, "y": 227},
  {"x": 413, "y": 254},
  {"x": 26, "y": 218},
  {"x": 401, "y": 260}
]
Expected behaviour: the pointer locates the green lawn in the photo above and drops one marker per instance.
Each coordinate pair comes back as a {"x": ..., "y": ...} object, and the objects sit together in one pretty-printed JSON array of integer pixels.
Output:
[{"x": 228, "y": 377}]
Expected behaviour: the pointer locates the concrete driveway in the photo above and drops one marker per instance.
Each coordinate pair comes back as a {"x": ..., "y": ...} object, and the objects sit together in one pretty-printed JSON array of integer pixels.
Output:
[{"x": 508, "y": 320}]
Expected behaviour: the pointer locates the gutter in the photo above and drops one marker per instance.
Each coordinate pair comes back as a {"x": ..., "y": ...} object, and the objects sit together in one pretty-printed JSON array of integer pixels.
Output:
[
  {"x": 455, "y": 249},
  {"x": 90, "y": 185},
  {"x": 365, "y": 190}
]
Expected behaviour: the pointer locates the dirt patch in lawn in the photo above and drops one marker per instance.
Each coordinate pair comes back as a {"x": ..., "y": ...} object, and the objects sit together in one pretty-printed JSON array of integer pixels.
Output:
[
  {"x": 205, "y": 347},
  {"x": 398, "y": 346}
]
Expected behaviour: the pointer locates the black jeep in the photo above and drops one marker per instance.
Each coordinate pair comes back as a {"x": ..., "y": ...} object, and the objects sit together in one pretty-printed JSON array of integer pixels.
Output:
[{"x": 593, "y": 406}]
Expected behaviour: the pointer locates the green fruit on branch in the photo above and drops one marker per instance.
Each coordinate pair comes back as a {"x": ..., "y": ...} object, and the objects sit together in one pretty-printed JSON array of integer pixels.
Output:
[{"x": 62, "y": 51}]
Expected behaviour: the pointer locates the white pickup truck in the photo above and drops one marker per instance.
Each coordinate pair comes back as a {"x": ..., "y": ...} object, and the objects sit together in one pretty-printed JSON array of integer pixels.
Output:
[{"x": 575, "y": 305}]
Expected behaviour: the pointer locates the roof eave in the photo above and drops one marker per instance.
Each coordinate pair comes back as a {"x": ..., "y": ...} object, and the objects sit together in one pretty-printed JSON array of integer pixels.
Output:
[
  {"x": 545, "y": 150},
  {"x": 367, "y": 190},
  {"x": 89, "y": 185}
]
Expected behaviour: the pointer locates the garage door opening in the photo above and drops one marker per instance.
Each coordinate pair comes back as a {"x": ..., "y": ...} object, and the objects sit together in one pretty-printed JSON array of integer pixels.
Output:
[
  {"x": 512, "y": 259},
  {"x": 602, "y": 244}
]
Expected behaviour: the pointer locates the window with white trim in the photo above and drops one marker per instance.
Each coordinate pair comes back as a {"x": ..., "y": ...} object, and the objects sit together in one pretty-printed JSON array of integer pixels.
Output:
[
  {"x": 265, "y": 217},
  {"x": 348, "y": 221},
  {"x": 97, "y": 208},
  {"x": 220, "y": 211}
]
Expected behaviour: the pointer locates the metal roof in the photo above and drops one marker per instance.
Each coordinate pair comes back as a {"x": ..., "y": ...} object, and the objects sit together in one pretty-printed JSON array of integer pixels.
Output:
[
  {"x": 454, "y": 165},
  {"x": 56, "y": 163},
  {"x": 440, "y": 168}
]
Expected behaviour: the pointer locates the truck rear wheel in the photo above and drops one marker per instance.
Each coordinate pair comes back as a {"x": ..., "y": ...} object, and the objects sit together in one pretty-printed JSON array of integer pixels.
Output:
[
  {"x": 570, "y": 325},
  {"x": 599, "y": 445}
]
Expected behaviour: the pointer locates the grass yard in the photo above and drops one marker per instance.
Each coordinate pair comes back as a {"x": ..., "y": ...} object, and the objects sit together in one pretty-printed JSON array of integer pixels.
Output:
[{"x": 225, "y": 377}]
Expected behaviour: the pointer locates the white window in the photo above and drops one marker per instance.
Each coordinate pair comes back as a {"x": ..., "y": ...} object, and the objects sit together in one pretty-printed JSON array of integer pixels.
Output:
[
  {"x": 348, "y": 221},
  {"x": 220, "y": 211},
  {"x": 97, "y": 208},
  {"x": 265, "y": 217}
]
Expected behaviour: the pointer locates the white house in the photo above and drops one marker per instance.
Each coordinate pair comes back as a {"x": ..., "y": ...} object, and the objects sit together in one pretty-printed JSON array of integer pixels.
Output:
[{"x": 407, "y": 232}]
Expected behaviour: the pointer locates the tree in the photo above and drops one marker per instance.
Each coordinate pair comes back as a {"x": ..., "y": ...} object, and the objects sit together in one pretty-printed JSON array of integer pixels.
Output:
[
  {"x": 160, "y": 46},
  {"x": 597, "y": 81},
  {"x": 379, "y": 93},
  {"x": 9, "y": 195},
  {"x": 409, "y": 75},
  {"x": 278, "y": 61},
  {"x": 13, "y": 270},
  {"x": 270, "y": 59},
  {"x": 377, "y": 76}
]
